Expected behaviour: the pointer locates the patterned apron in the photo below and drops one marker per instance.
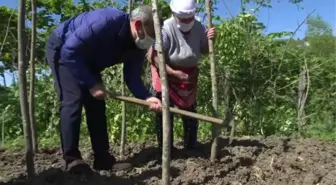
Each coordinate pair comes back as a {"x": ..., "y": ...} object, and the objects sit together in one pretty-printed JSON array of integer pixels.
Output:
[{"x": 183, "y": 94}]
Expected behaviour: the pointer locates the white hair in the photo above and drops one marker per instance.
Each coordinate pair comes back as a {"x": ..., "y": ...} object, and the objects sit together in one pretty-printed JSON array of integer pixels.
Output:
[{"x": 144, "y": 13}]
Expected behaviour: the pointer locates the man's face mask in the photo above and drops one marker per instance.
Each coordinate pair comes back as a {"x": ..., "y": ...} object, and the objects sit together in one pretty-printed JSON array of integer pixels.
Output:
[{"x": 144, "y": 43}]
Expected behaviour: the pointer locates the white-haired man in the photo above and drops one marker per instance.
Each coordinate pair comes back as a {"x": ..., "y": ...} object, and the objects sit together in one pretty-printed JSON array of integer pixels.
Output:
[{"x": 77, "y": 51}]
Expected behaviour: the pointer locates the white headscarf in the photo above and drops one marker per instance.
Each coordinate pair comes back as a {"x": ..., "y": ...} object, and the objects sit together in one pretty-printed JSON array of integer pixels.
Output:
[{"x": 183, "y": 8}]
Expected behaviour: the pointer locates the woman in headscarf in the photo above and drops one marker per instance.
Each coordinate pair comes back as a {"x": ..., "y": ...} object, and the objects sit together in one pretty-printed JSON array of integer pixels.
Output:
[{"x": 184, "y": 41}]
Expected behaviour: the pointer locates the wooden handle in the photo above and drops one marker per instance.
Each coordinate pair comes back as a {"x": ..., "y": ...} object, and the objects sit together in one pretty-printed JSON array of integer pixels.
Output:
[{"x": 171, "y": 109}]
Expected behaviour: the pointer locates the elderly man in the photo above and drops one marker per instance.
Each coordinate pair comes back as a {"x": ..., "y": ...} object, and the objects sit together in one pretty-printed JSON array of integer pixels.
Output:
[
  {"x": 184, "y": 40},
  {"x": 77, "y": 51}
]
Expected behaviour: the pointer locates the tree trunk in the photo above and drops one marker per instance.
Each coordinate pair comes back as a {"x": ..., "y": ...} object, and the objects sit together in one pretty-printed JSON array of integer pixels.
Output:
[
  {"x": 166, "y": 144},
  {"x": 32, "y": 78},
  {"x": 302, "y": 98},
  {"x": 3, "y": 129},
  {"x": 4, "y": 79},
  {"x": 123, "y": 104},
  {"x": 23, "y": 90},
  {"x": 215, "y": 128},
  {"x": 13, "y": 78}
]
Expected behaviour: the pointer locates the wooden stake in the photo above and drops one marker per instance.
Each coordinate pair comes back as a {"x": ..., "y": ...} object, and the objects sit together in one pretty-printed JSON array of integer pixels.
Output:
[
  {"x": 172, "y": 109},
  {"x": 123, "y": 105},
  {"x": 166, "y": 144},
  {"x": 23, "y": 89},
  {"x": 215, "y": 128},
  {"x": 32, "y": 78}
]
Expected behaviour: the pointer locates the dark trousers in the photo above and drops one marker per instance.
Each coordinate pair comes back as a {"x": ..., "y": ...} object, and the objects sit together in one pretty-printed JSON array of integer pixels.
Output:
[
  {"x": 73, "y": 97},
  {"x": 190, "y": 126}
]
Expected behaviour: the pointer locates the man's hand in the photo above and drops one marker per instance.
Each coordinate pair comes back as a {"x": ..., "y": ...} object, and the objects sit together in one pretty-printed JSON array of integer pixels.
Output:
[
  {"x": 180, "y": 75},
  {"x": 98, "y": 91},
  {"x": 211, "y": 33},
  {"x": 155, "y": 104}
]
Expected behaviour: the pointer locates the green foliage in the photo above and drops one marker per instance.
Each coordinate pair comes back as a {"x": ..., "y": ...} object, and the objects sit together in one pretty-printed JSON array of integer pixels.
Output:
[
  {"x": 8, "y": 37},
  {"x": 263, "y": 72},
  {"x": 316, "y": 27}
]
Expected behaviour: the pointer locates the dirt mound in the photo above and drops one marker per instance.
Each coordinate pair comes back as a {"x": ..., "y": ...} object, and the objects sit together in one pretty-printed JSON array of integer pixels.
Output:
[{"x": 278, "y": 161}]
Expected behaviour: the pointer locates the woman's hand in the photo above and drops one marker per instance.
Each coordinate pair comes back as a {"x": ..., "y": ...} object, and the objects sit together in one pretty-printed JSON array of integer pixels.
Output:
[
  {"x": 180, "y": 75},
  {"x": 211, "y": 34}
]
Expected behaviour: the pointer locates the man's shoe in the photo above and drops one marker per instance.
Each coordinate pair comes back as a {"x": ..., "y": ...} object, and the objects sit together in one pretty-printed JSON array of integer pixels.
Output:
[
  {"x": 78, "y": 166},
  {"x": 108, "y": 163}
]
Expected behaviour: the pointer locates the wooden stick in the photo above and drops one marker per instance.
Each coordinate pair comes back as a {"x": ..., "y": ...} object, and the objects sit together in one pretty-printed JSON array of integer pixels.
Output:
[
  {"x": 214, "y": 130},
  {"x": 166, "y": 122},
  {"x": 171, "y": 109},
  {"x": 22, "y": 63}
]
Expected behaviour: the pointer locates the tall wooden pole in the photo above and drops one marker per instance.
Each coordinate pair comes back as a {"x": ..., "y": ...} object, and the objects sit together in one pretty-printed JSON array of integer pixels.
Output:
[
  {"x": 165, "y": 98},
  {"x": 215, "y": 128},
  {"x": 123, "y": 105},
  {"x": 32, "y": 78},
  {"x": 23, "y": 89}
]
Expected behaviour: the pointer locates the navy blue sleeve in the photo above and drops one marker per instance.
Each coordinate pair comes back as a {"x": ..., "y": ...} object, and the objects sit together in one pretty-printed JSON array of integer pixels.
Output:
[
  {"x": 78, "y": 45},
  {"x": 132, "y": 75}
]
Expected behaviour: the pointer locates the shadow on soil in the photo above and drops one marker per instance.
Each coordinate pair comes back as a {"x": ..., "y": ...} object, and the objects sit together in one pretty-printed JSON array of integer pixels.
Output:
[
  {"x": 202, "y": 150},
  {"x": 251, "y": 161},
  {"x": 53, "y": 176},
  {"x": 146, "y": 156}
]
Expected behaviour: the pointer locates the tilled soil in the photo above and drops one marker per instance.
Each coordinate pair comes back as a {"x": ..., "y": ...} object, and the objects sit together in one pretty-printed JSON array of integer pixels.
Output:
[{"x": 271, "y": 161}]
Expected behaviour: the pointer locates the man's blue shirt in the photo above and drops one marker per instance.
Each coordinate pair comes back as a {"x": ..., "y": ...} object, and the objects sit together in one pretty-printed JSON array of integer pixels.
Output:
[{"x": 95, "y": 40}]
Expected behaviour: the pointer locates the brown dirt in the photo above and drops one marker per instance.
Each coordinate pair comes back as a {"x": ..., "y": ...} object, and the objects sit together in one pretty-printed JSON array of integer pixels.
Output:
[{"x": 278, "y": 161}]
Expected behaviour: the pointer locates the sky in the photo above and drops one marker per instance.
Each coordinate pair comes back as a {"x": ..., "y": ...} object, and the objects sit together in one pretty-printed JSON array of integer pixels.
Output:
[{"x": 283, "y": 16}]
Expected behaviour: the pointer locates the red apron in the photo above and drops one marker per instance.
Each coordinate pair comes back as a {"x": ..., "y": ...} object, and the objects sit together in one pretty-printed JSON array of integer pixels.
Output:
[{"x": 183, "y": 94}]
